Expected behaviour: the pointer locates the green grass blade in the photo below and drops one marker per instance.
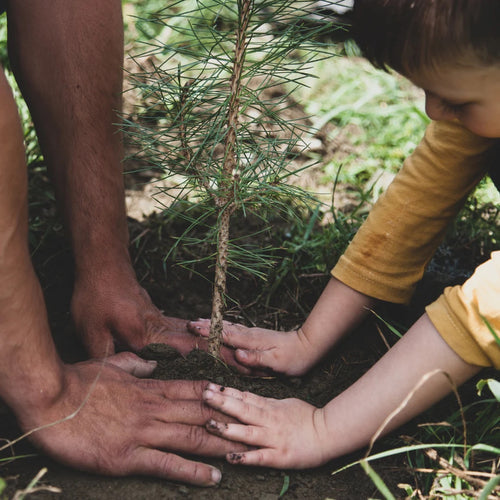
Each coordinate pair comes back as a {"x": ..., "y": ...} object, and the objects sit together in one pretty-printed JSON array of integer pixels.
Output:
[
  {"x": 490, "y": 328},
  {"x": 405, "y": 449},
  {"x": 490, "y": 487},
  {"x": 377, "y": 481},
  {"x": 286, "y": 485},
  {"x": 389, "y": 326}
]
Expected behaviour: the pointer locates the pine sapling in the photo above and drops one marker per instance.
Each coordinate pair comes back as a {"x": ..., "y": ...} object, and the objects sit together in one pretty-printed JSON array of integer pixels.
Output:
[{"x": 209, "y": 125}]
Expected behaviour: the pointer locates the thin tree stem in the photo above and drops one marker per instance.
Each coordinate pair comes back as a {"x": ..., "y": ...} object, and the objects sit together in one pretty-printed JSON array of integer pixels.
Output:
[{"x": 226, "y": 203}]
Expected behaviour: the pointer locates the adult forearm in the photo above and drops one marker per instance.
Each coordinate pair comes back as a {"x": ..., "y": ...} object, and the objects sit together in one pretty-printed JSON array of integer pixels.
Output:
[
  {"x": 74, "y": 97},
  {"x": 29, "y": 365}
]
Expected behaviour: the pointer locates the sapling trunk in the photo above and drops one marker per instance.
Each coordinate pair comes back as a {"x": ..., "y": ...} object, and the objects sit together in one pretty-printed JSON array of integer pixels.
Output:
[
  {"x": 214, "y": 130},
  {"x": 226, "y": 203}
]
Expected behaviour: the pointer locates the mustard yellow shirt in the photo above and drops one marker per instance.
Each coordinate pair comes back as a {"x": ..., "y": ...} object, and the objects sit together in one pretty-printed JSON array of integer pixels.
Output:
[{"x": 388, "y": 255}]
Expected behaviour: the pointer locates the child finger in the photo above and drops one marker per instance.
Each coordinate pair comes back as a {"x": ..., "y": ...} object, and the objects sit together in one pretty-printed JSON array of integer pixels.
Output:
[
  {"x": 246, "y": 434},
  {"x": 256, "y": 358},
  {"x": 263, "y": 457},
  {"x": 243, "y": 410},
  {"x": 248, "y": 397},
  {"x": 199, "y": 327},
  {"x": 231, "y": 331}
]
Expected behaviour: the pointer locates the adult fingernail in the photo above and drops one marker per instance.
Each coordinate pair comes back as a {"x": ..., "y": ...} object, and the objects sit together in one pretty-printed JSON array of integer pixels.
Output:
[
  {"x": 216, "y": 476},
  {"x": 242, "y": 354},
  {"x": 152, "y": 362}
]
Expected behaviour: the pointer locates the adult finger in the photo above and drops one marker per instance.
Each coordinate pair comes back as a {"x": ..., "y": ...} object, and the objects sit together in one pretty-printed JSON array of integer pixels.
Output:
[
  {"x": 99, "y": 344},
  {"x": 175, "y": 324},
  {"x": 172, "y": 467},
  {"x": 132, "y": 364},
  {"x": 192, "y": 439}
]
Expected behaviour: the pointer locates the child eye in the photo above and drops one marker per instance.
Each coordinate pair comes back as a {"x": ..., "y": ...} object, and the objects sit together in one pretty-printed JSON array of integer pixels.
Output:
[{"x": 452, "y": 108}]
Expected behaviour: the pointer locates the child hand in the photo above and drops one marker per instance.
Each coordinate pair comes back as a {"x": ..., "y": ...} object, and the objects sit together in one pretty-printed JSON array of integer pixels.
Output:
[
  {"x": 290, "y": 353},
  {"x": 287, "y": 433}
]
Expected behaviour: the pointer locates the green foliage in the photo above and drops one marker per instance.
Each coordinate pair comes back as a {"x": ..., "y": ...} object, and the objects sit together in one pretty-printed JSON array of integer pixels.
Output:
[
  {"x": 470, "y": 239},
  {"x": 377, "y": 481},
  {"x": 183, "y": 130},
  {"x": 458, "y": 458},
  {"x": 4, "y": 58},
  {"x": 379, "y": 114}
]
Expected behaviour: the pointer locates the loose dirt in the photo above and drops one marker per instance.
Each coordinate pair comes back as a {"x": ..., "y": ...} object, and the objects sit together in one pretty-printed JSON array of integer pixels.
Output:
[{"x": 185, "y": 293}]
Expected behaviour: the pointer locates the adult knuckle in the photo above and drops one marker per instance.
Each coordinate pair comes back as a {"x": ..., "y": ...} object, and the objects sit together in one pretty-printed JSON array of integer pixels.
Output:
[
  {"x": 168, "y": 464},
  {"x": 196, "y": 437}
]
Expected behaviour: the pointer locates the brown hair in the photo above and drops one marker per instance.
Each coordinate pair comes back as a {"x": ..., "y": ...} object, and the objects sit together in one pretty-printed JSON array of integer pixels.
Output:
[{"x": 411, "y": 35}]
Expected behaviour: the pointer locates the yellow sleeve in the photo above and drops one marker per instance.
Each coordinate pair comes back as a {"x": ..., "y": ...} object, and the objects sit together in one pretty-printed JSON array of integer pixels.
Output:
[
  {"x": 459, "y": 315},
  {"x": 388, "y": 255}
]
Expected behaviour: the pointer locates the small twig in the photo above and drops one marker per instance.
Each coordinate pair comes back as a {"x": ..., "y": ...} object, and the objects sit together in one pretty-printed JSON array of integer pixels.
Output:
[
  {"x": 379, "y": 330},
  {"x": 450, "y": 469},
  {"x": 32, "y": 488},
  {"x": 426, "y": 470}
]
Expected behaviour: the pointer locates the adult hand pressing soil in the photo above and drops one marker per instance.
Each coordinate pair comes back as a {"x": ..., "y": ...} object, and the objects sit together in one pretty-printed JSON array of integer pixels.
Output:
[
  {"x": 104, "y": 420},
  {"x": 67, "y": 57}
]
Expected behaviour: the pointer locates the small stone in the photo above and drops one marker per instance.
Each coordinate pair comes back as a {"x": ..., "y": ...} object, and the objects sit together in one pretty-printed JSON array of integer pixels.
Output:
[
  {"x": 260, "y": 477},
  {"x": 184, "y": 490}
]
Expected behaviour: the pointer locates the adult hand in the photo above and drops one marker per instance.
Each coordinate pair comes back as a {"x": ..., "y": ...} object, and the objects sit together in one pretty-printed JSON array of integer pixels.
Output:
[
  {"x": 105, "y": 420},
  {"x": 118, "y": 312},
  {"x": 260, "y": 349},
  {"x": 287, "y": 433}
]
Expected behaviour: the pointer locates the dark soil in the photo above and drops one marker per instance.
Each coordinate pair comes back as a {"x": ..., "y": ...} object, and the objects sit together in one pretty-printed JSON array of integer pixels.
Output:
[{"x": 185, "y": 293}]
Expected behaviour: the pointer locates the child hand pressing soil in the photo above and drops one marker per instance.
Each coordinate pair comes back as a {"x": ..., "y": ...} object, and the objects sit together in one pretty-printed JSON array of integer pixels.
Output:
[{"x": 449, "y": 48}]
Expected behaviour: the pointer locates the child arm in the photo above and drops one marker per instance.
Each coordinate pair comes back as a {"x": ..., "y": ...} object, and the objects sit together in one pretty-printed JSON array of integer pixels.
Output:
[
  {"x": 419, "y": 370},
  {"x": 386, "y": 258},
  {"x": 336, "y": 312}
]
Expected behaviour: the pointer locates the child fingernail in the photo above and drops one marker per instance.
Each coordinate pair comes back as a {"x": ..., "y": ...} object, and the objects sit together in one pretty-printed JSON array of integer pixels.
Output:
[
  {"x": 235, "y": 458},
  {"x": 211, "y": 425}
]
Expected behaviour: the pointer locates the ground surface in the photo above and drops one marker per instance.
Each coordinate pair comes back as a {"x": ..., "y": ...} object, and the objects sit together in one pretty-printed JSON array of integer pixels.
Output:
[{"x": 184, "y": 293}]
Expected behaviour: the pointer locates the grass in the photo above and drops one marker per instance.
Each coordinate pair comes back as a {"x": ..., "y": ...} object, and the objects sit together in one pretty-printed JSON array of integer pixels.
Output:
[
  {"x": 451, "y": 459},
  {"x": 377, "y": 120}
]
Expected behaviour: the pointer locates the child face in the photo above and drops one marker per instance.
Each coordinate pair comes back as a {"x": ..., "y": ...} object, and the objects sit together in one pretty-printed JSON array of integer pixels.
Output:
[{"x": 469, "y": 94}]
